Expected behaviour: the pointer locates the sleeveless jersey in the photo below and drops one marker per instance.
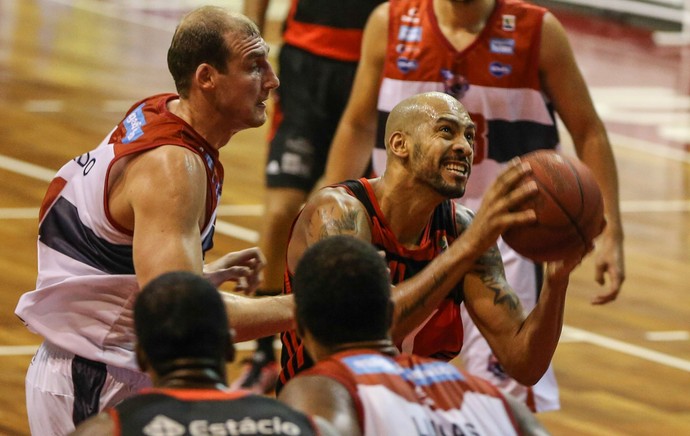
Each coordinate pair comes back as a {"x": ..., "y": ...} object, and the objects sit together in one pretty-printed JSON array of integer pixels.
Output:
[
  {"x": 86, "y": 285},
  {"x": 441, "y": 334},
  {"x": 207, "y": 411},
  {"x": 496, "y": 78},
  {"x": 331, "y": 29},
  {"x": 411, "y": 395}
]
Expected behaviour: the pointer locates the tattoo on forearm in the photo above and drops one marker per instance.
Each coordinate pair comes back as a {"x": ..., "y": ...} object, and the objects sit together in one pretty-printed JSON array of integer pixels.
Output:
[{"x": 490, "y": 269}]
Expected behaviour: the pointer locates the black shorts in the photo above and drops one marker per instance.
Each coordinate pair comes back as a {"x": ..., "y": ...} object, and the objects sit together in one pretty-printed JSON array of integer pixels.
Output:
[{"x": 311, "y": 98}]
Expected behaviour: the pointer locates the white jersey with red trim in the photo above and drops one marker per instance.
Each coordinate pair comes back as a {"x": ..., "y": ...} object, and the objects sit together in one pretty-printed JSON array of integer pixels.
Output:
[
  {"x": 412, "y": 395},
  {"x": 86, "y": 282}
]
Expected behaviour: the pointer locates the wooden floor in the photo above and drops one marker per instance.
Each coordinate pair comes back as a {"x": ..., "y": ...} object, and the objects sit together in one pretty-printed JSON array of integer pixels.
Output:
[{"x": 68, "y": 70}]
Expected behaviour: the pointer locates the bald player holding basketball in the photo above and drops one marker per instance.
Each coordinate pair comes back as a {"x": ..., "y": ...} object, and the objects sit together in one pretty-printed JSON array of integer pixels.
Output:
[
  {"x": 510, "y": 63},
  {"x": 408, "y": 214}
]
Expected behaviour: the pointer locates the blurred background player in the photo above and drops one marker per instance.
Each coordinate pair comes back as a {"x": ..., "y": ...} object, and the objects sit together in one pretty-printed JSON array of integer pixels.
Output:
[
  {"x": 360, "y": 382},
  {"x": 317, "y": 62},
  {"x": 184, "y": 342},
  {"x": 511, "y": 65}
]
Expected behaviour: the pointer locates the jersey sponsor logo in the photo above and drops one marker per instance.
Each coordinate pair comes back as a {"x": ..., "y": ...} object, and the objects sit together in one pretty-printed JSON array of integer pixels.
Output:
[
  {"x": 499, "y": 69},
  {"x": 133, "y": 124},
  {"x": 431, "y": 373},
  {"x": 406, "y": 65},
  {"x": 410, "y": 17},
  {"x": 454, "y": 84},
  {"x": 410, "y": 33},
  {"x": 508, "y": 23},
  {"x": 371, "y": 364},
  {"x": 502, "y": 45},
  {"x": 162, "y": 425}
]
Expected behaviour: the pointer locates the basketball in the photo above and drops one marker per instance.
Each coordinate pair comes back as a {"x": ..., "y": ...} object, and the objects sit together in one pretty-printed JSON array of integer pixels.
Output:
[{"x": 569, "y": 208}]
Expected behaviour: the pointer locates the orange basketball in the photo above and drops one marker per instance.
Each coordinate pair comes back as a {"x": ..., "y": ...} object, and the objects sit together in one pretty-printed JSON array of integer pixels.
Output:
[{"x": 569, "y": 208}]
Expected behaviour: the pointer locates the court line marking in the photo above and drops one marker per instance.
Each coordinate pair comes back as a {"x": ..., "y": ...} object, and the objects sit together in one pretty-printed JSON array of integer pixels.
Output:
[
  {"x": 674, "y": 335},
  {"x": 576, "y": 334}
]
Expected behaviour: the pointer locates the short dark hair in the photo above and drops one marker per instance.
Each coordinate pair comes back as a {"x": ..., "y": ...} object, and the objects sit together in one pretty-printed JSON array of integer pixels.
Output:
[
  {"x": 180, "y": 315},
  {"x": 200, "y": 38},
  {"x": 342, "y": 291}
]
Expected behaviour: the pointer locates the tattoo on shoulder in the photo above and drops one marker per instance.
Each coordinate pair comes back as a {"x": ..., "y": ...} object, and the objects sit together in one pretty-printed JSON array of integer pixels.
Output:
[
  {"x": 490, "y": 269},
  {"x": 328, "y": 224}
]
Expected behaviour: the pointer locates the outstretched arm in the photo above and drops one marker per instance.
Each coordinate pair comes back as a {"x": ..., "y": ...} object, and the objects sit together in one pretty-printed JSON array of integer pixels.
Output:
[
  {"x": 565, "y": 85},
  {"x": 354, "y": 139}
]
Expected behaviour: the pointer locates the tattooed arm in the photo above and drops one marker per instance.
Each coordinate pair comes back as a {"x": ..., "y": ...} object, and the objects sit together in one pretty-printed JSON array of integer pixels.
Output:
[{"x": 523, "y": 343}]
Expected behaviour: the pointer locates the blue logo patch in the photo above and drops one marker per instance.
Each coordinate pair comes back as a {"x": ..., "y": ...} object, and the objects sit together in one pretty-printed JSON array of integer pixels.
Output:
[
  {"x": 499, "y": 69},
  {"x": 502, "y": 45},
  {"x": 133, "y": 124},
  {"x": 410, "y": 33},
  {"x": 406, "y": 65},
  {"x": 370, "y": 364}
]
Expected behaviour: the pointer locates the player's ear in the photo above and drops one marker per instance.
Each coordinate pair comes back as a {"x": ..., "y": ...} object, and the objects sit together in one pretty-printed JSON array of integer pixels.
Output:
[
  {"x": 398, "y": 144},
  {"x": 204, "y": 76}
]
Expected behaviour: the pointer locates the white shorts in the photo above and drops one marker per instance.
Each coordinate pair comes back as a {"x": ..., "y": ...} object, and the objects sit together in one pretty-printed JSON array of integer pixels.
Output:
[
  {"x": 477, "y": 357},
  {"x": 50, "y": 389}
]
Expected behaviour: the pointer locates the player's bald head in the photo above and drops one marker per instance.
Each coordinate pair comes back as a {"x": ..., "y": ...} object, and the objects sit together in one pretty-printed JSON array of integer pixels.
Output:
[{"x": 420, "y": 108}]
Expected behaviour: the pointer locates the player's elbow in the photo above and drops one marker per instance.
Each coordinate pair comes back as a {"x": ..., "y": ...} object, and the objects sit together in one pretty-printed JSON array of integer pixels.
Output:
[{"x": 526, "y": 372}]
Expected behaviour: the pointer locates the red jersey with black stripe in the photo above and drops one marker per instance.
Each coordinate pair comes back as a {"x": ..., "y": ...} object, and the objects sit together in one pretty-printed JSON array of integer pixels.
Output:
[
  {"x": 331, "y": 29},
  {"x": 408, "y": 394},
  {"x": 207, "y": 411},
  {"x": 441, "y": 334}
]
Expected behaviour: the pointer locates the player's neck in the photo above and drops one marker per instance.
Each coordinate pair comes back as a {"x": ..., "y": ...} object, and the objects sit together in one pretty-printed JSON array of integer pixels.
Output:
[
  {"x": 462, "y": 16},
  {"x": 406, "y": 206},
  {"x": 202, "y": 123},
  {"x": 384, "y": 346},
  {"x": 192, "y": 379},
  {"x": 191, "y": 373}
]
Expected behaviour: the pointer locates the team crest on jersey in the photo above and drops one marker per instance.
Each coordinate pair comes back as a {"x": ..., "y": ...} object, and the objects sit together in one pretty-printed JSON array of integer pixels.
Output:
[
  {"x": 502, "y": 45},
  {"x": 508, "y": 23},
  {"x": 499, "y": 69},
  {"x": 454, "y": 84}
]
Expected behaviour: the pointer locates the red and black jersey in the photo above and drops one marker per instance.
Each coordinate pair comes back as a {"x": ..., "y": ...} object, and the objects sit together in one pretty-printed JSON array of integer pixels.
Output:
[
  {"x": 331, "y": 29},
  {"x": 441, "y": 335},
  {"x": 207, "y": 411}
]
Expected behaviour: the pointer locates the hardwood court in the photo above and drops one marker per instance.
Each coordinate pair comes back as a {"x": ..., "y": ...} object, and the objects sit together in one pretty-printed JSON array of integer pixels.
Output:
[{"x": 69, "y": 69}]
